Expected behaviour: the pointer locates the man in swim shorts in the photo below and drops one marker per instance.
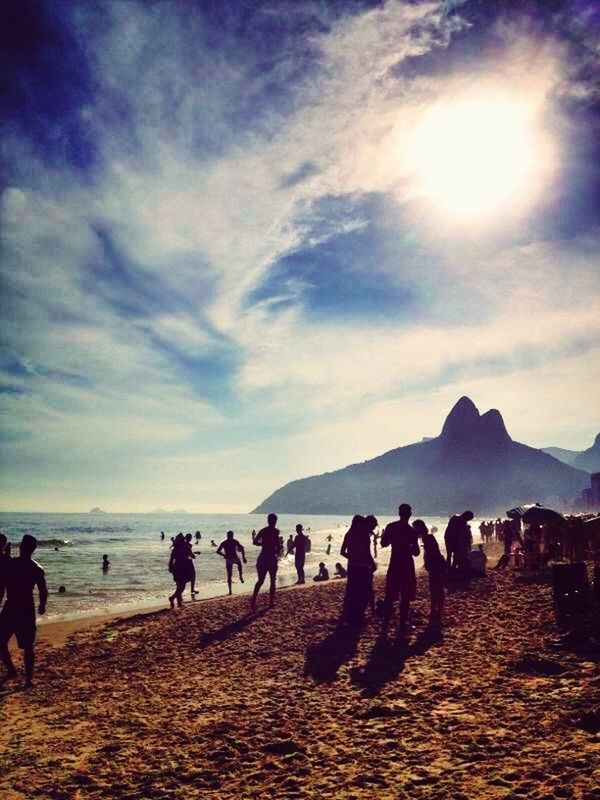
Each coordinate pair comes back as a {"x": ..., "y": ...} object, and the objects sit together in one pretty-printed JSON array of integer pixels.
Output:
[
  {"x": 400, "y": 580},
  {"x": 268, "y": 540},
  {"x": 229, "y": 549},
  {"x": 19, "y": 577}
]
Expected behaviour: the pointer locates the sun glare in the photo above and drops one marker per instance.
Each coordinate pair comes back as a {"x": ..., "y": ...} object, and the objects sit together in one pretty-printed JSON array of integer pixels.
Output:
[{"x": 474, "y": 157}]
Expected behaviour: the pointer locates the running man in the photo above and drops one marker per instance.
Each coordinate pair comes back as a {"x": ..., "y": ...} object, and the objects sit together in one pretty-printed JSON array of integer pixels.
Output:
[
  {"x": 229, "y": 549},
  {"x": 18, "y": 578},
  {"x": 268, "y": 540}
]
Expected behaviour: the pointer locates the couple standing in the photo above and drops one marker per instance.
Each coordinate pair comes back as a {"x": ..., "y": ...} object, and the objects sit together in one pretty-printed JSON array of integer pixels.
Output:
[{"x": 401, "y": 579}]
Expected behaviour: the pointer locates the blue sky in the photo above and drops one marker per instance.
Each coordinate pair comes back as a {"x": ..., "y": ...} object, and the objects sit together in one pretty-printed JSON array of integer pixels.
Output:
[{"x": 227, "y": 260}]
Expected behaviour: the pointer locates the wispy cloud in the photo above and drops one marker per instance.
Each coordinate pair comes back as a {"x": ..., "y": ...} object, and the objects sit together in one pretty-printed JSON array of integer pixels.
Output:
[{"x": 220, "y": 240}]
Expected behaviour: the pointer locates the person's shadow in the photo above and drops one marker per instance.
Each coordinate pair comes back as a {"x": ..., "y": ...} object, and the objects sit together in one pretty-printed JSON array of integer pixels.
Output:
[
  {"x": 388, "y": 659},
  {"x": 324, "y": 659},
  {"x": 226, "y": 631}
]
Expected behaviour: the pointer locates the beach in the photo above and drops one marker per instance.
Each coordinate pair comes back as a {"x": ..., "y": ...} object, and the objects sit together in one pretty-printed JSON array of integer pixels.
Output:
[{"x": 209, "y": 701}]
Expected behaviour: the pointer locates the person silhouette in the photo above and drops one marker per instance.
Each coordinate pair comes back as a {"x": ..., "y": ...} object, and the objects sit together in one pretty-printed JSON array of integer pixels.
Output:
[
  {"x": 105, "y": 563},
  {"x": 268, "y": 540},
  {"x": 229, "y": 549},
  {"x": 322, "y": 574},
  {"x": 179, "y": 568},
  {"x": 356, "y": 547},
  {"x": 400, "y": 579},
  {"x": 18, "y": 578},
  {"x": 162, "y": 536},
  {"x": 457, "y": 539},
  {"x": 299, "y": 547},
  {"x": 435, "y": 564},
  {"x": 190, "y": 565}
]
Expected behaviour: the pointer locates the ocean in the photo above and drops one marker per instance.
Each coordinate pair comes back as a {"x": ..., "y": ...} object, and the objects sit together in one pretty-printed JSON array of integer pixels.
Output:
[{"x": 71, "y": 546}]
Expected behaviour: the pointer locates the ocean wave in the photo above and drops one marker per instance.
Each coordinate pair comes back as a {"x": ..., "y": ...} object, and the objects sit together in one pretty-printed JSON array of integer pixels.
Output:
[{"x": 95, "y": 529}]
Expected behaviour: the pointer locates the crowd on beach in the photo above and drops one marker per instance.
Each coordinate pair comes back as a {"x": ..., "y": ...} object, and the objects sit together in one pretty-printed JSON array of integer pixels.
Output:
[{"x": 530, "y": 547}]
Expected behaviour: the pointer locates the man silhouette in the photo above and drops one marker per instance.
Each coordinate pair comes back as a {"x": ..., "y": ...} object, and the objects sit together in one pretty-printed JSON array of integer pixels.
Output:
[
  {"x": 299, "y": 549},
  {"x": 400, "y": 580},
  {"x": 229, "y": 549},
  {"x": 18, "y": 578},
  {"x": 268, "y": 540}
]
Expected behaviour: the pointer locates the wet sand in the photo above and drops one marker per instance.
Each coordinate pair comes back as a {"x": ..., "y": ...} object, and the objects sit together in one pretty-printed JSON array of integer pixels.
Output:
[{"x": 210, "y": 702}]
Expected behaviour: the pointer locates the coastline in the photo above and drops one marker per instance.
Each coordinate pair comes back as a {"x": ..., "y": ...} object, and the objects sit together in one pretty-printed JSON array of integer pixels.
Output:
[{"x": 214, "y": 702}]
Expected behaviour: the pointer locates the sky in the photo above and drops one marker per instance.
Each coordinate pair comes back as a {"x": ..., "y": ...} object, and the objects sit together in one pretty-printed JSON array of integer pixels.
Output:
[{"x": 245, "y": 242}]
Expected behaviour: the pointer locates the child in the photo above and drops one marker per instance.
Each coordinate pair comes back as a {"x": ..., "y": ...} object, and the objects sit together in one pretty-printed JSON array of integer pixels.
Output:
[{"x": 435, "y": 564}]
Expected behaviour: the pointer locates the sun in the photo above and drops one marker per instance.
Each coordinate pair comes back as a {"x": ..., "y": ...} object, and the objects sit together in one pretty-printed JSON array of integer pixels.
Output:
[{"x": 476, "y": 157}]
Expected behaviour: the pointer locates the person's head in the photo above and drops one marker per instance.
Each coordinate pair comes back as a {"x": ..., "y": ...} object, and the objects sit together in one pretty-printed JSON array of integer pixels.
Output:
[
  {"x": 467, "y": 515},
  {"x": 299, "y": 528},
  {"x": 188, "y": 537},
  {"x": 28, "y": 545},
  {"x": 371, "y": 522},
  {"x": 404, "y": 511},
  {"x": 105, "y": 557},
  {"x": 179, "y": 538},
  {"x": 358, "y": 521},
  {"x": 321, "y": 565},
  {"x": 62, "y": 589},
  {"x": 230, "y": 534},
  {"x": 420, "y": 527},
  {"x": 272, "y": 520},
  {"x": 338, "y": 565}
]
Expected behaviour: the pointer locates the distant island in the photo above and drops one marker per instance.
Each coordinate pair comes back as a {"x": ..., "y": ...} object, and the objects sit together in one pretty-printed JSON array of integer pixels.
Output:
[
  {"x": 473, "y": 464},
  {"x": 96, "y": 511}
]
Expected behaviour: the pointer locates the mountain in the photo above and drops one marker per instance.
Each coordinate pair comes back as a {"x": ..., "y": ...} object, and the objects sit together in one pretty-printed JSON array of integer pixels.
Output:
[
  {"x": 581, "y": 459},
  {"x": 96, "y": 511},
  {"x": 473, "y": 463}
]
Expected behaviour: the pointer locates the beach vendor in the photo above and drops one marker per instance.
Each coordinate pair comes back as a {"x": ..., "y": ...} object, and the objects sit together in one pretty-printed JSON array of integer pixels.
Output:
[{"x": 18, "y": 578}]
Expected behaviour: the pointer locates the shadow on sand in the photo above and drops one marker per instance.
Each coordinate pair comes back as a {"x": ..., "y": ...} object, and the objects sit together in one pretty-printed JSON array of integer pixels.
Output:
[
  {"x": 324, "y": 659},
  {"x": 221, "y": 634},
  {"x": 388, "y": 658}
]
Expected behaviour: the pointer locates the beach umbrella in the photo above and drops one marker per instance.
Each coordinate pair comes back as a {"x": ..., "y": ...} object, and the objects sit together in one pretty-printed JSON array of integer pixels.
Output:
[
  {"x": 519, "y": 511},
  {"x": 541, "y": 515}
]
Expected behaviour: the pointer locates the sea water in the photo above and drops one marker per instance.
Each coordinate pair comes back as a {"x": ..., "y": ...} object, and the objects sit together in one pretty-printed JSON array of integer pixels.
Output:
[{"x": 71, "y": 546}]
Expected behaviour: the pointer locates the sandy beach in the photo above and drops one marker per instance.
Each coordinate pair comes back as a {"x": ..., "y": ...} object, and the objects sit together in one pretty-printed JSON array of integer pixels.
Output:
[{"x": 212, "y": 702}]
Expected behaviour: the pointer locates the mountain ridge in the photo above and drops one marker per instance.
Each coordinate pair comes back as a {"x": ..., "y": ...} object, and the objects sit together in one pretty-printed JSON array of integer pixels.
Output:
[{"x": 472, "y": 463}]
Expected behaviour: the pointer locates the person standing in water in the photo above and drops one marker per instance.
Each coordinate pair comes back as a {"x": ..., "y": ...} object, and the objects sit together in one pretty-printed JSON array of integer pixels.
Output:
[
  {"x": 401, "y": 580},
  {"x": 18, "y": 577},
  {"x": 105, "y": 563},
  {"x": 229, "y": 549},
  {"x": 266, "y": 563},
  {"x": 299, "y": 550}
]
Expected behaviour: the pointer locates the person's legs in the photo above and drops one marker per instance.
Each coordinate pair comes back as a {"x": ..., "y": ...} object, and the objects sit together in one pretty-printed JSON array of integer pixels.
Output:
[
  {"x": 404, "y": 612},
  {"x": 229, "y": 568},
  {"x": 5, "y": 656},
  {"x": 29, "y": 658},
  {"x": 272, "y": 580},
  {"x": 241, "y": 574},
  {"x": 262, "y": 574},
  {"x": 180, "y": 587}
]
